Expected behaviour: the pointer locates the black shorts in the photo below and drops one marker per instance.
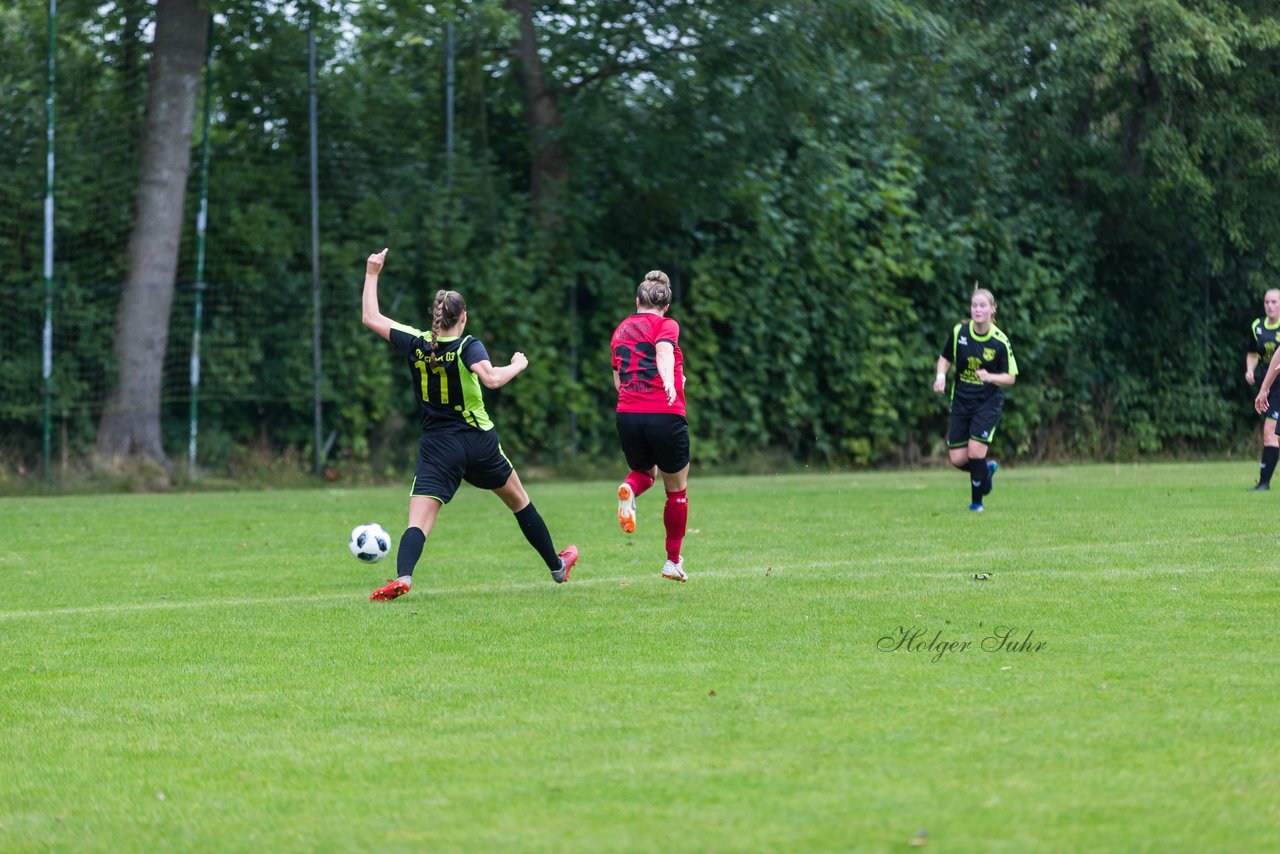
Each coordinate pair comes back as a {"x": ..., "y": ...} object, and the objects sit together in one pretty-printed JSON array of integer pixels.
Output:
[
  {"x": 654, "y": 439},
  {"x": 1273, "y": 401},
  {"x": 974, "y": 420},
  {"x": 447, "y": 459}
]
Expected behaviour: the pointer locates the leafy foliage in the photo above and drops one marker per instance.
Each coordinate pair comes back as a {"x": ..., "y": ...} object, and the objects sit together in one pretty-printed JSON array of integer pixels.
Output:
[{"x": 824, "y": 182}]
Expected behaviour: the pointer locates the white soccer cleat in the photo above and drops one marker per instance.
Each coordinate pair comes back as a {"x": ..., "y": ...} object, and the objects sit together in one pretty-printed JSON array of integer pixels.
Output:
[
  {"x": 626, "y": 509},
  {"x": 674, "y": 571}
]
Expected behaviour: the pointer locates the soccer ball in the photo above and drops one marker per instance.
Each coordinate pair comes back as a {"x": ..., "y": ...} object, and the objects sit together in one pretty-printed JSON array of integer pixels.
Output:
[{"x": 370, "y": 543}]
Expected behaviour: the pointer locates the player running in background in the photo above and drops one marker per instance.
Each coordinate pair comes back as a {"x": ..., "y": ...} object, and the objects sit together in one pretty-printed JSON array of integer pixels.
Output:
[
  {"x": 648, "y": 372},
  {"x": 458, "y": 440},
  {"x": 1262, "y": 346},
  {"x": 984, "y": 364}
]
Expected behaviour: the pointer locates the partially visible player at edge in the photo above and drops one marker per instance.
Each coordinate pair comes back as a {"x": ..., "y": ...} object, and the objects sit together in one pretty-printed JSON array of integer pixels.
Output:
[
  {"x": 648, "y": 372},
  {"x": 1262, "y": 346},
  {"x": 458, "y": 440},
  {"x": 984, "y": 364}
]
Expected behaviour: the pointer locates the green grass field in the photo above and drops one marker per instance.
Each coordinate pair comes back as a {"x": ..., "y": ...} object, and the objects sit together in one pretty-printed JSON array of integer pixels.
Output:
[{"x": 205, "y": 672}]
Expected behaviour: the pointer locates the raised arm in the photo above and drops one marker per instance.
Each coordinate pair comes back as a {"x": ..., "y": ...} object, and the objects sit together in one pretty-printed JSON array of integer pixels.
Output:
[
  {"x": 491, "y": 377},
  {"x": 373, "y": 316}
]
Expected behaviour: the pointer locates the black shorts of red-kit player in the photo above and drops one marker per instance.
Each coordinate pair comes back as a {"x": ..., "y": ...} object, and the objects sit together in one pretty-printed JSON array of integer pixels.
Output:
[{"x": 651, "y": 439}]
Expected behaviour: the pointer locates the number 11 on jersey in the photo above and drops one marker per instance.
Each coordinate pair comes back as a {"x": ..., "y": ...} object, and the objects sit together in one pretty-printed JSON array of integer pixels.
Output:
[{"x": 425, "y": 372}]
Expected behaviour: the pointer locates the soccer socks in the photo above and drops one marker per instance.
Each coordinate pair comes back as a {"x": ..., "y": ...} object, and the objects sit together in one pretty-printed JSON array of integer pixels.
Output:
[
  {"x": 639, "y": 482},
  {"x": 535, "y": 531},
  {"x": 675, "y": 517},
  {"x": 412, "y": 541},
  {"x": 1269, "y": 457},
  {"x": 978, "y": 474}
]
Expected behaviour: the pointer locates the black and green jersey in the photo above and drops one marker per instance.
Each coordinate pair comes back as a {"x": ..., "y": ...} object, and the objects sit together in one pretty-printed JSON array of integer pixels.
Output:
[
  {"x": 1263, "y": 342},
  {"x": 970, "y": 352},
  {"x": 447, "y": 391}
]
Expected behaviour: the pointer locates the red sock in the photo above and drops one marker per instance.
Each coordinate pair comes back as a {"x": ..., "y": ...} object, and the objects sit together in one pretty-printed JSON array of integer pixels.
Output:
[
  {"x": 675, "y": 516},
  {"x": 639, "y": 482}
]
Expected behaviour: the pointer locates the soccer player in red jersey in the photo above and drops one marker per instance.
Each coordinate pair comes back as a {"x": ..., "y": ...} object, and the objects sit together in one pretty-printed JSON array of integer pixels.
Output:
[{"x": 648, "y": 372}]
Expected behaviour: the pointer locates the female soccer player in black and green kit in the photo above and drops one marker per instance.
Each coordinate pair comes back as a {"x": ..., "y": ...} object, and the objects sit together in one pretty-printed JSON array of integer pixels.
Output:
[
  {"x": 1264, "y": 335},
  {"x": 458, "y": 440},
  {"x": 984, "y": 364}
]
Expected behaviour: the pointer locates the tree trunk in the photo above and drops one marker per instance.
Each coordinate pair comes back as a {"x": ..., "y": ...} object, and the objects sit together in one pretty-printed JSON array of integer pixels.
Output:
[
  {"x": 550, "y": 172},
  {"x": 130, "y": 425},
  {"x": 1134, "y": 133}
]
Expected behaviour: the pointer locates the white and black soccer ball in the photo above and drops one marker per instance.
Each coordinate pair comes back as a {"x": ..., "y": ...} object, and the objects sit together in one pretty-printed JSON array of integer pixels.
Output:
[{"x": 370, "y": 543}]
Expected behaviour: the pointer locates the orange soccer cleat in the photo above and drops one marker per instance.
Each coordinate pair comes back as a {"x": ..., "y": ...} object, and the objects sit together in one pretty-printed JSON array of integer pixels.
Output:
[
  {"x": 568, "y": 558},
  {"x": 626, "y": 509},
  {"x": 392, "y": 589}
]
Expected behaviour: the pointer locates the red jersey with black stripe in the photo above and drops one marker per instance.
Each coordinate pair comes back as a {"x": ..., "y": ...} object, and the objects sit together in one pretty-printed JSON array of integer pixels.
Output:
[{"x": 635, "y": 357}]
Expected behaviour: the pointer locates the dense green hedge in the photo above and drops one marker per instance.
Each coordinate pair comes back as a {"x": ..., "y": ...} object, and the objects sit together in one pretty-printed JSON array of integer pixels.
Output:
[{"x": 824, "y": 183}]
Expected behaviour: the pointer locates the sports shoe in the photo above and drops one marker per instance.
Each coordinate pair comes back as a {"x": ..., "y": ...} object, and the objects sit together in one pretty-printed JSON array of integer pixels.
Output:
[
  {"x": 992, "y": 468},
  {"x": 976, "y": 508},
  {"x": 626, "y": 509},
  {"x": 393, "y": 588},
  {"x": 674, "y": 571},
  {"x": 568, "y": 558},
  {"x": 1261, "y": 487}
]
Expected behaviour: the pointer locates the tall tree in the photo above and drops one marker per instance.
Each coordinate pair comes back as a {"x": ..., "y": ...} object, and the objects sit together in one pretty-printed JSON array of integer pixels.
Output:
[
  {"x": 130, "y": 424},
  {"x": 550, "y": 172}
]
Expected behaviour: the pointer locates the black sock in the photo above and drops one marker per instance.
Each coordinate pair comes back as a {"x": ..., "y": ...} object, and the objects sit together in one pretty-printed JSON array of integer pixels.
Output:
[
  {"x": 1269, "y": 457},
  {"x": 412, "y": 542},
  {"x": 978, "y": 479},
  {"x": 535, "y": 531}
]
